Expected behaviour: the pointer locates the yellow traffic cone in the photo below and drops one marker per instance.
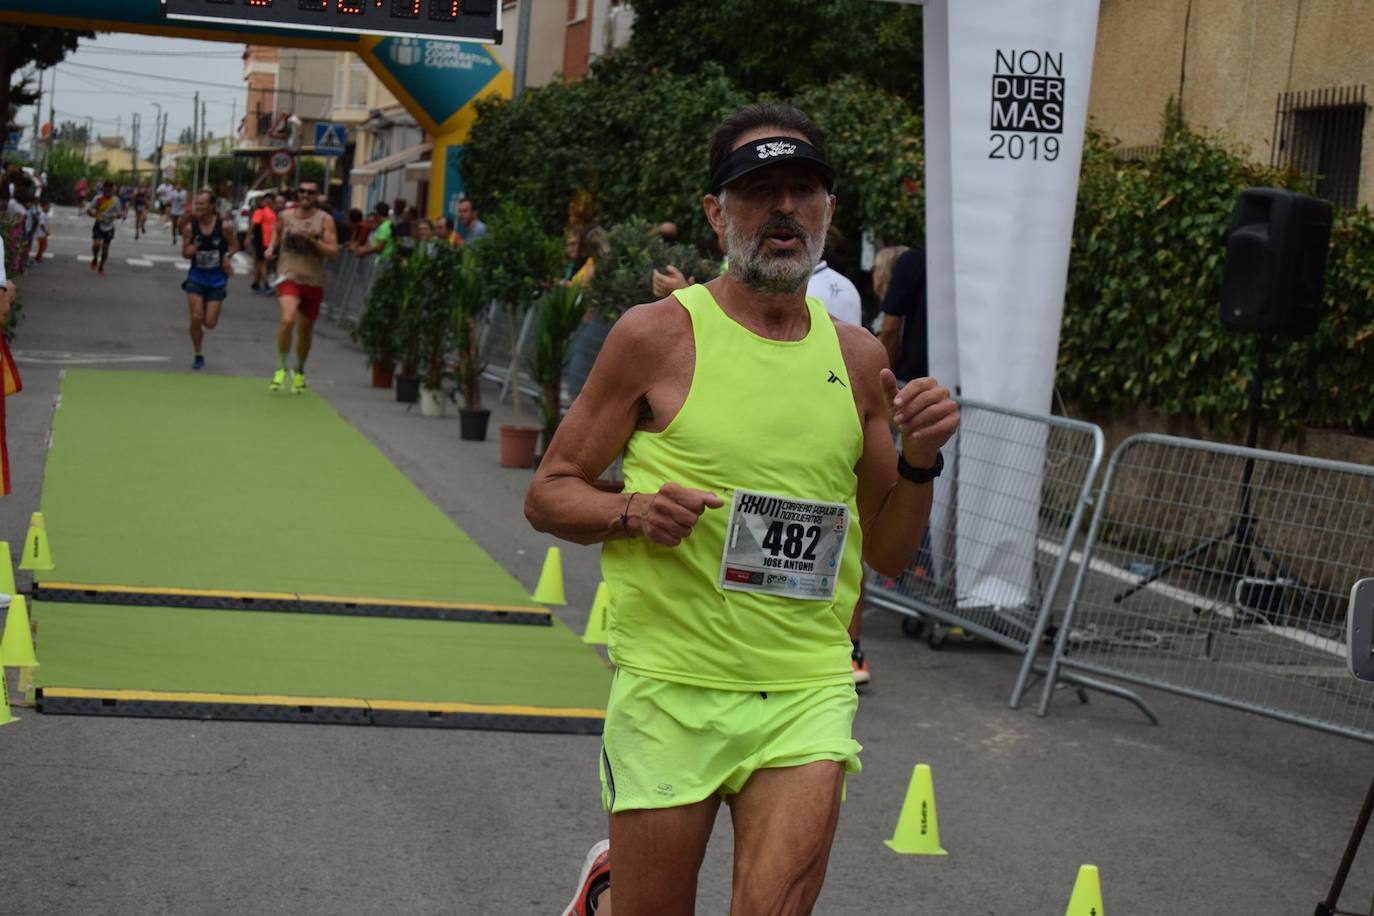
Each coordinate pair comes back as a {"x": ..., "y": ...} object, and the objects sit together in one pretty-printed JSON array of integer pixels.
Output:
[
  {"x": 16, "y": 646},
  {"x": 36, "y": 554},
  {"x": 918, "y": 831},
  {"x": 1086, "y": 899},
  {"x": 6, "y": 717},
  {"x": 7, "y": 586},
  {"x": 597, "y": 621},
  {"x": 550, "y": 587}
]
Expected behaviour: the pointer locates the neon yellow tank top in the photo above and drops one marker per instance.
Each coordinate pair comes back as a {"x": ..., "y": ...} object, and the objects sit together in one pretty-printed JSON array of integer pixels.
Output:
[{"x": 770, "y": 416}]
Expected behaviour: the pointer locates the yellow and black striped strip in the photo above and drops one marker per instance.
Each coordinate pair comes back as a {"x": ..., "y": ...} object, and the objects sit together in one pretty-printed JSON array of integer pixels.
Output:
[
  {"x": 340, "y": 710},
  {"x": 239, "y": 600}
]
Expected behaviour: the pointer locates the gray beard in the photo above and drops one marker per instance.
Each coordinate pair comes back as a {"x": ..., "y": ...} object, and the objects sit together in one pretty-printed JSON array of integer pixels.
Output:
[{"x": 752, "y": 265}]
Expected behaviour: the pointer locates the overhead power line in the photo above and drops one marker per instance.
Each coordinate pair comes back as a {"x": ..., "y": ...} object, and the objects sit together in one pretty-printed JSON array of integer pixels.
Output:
[{"x": 187, "y": 82}]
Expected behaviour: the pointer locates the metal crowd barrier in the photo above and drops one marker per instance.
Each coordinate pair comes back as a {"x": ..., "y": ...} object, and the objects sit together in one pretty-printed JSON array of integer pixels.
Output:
[
  {"x": 346, "y": 290},
  {"x": 1005, "y": 515},
  {"x": 1223, "y": 573},
  {"x": 585, "y": 345},
  {"x": 496, "y": 349}
]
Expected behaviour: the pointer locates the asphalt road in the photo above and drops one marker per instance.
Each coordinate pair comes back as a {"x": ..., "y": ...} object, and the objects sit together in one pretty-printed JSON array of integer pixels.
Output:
[{"x": 1211, "y": 812}]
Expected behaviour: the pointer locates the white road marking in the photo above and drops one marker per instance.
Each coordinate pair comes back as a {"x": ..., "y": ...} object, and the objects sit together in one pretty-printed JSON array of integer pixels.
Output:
[
  {"x": 71, "y": 358},
  {"x": 1302, "y": 637},
  {"x": 138, "y": 262}
]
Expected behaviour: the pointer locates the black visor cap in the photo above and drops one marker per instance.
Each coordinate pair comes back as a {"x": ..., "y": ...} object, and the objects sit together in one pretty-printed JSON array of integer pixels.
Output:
[{"x": 769, "y": 151}]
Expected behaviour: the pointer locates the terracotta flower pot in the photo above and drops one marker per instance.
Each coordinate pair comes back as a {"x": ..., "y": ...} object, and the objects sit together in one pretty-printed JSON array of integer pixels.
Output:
[
  {"x": 382, "y": 376},
  {"x": 517, "y": 446}
]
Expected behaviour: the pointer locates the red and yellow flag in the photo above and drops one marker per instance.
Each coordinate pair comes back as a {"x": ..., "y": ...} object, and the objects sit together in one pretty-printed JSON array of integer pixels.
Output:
[{"x": 9, "y": 378}]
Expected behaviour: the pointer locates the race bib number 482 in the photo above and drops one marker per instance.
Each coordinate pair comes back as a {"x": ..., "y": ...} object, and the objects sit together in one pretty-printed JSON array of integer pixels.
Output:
[{"x": 784, "y": 546}]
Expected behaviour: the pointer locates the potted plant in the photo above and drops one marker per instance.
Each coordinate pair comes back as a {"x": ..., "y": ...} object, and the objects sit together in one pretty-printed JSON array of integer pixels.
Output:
[
  {"x": 516, "y": 260},
  {"x": 409, "y": 327},
  {"x": 436, "y": 269},
  {"x": 465, "y": 294},
  {"x": 560, "y": 314},
  {"x": 375, "y": 331}
]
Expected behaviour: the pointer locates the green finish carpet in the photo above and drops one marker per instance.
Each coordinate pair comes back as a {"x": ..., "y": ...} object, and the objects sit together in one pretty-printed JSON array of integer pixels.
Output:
[
  {"x": 521, "y": 672},
  {"x": 175, "y": 481},
  {"x": 203, "y": 482}
]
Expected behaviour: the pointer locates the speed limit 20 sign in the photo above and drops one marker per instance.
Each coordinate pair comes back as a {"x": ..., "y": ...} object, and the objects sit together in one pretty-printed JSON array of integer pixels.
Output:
[{"x": 280, "y": 162}]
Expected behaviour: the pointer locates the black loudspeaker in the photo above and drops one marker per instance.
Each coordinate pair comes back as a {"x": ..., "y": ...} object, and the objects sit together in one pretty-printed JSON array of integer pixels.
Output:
[{"x": 1275, "y": 270}]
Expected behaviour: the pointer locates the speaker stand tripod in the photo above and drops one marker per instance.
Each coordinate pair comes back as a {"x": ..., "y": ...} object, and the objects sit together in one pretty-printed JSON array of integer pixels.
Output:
[
  {"x": 1241, "y": 531},
  {"x": 1328, "y": 906}
]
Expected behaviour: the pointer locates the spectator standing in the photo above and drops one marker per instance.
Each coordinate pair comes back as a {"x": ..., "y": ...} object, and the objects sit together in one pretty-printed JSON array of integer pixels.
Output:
[
  {"x": 380, "y": 241},
  {"x": 263, "y": 222},
  {"x": 903, "y": 331},
  {"x": 42, "y": 232},
  {"x": 469, "y": 227}
]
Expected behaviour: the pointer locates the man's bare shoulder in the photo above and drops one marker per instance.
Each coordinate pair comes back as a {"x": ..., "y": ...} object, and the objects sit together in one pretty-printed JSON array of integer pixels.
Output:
[
  {"x": 862, "y": 351},
  {"x": 653, "y": 329}
]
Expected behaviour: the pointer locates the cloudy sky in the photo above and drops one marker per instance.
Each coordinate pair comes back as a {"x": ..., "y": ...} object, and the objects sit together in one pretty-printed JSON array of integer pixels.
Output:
[{"x": 113, "y": 76}]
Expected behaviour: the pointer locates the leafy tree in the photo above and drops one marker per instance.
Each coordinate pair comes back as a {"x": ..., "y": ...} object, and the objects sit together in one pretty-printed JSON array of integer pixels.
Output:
[
  {"x": 187, "y": 135},
  {"x": 22, "y": 45},
  {"x": 782, "y": 47}
]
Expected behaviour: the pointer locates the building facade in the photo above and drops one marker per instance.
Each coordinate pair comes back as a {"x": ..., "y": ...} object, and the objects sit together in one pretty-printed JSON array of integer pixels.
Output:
[{"x": 1284, "y": 79}]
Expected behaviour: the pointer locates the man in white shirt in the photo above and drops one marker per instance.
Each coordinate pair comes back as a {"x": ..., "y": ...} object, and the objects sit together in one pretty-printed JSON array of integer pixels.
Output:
[
  {"x": 840, "y": 296},
  {"x": 176, "y": 201}
]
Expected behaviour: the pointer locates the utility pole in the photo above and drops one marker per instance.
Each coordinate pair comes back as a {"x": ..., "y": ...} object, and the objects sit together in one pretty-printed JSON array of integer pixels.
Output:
[
  {"x": 90, "y": 128},
  {"x": 52, "y": 119},
  {"x": 522, "y": 45},
  {"x": 159, "y": 135},
  {"x": 135, "y": 159},
  {"x": 37, "y": 116},
  {"x": 205, "y": 145},
  {"x": 195, "y": 137}
]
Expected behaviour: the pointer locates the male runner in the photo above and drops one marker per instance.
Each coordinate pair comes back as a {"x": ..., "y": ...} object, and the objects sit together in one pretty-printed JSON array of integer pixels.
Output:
[
  {"x": 105, "y": 208},
  {"x": 206, "y": 244},
  {"x": 176, "y": 203},
  {"x": 733, "y": 554},
  {"x": 304, "y": 235},
  {"x": 141, "y": 210}
]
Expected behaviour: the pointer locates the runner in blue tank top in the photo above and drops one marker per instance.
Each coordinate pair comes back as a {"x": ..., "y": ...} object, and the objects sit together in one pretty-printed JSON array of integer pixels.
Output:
[{"x": 206, "y": 244}]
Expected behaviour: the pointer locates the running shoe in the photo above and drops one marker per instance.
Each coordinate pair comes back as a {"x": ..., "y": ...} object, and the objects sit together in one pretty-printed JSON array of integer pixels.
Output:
[
  {"x": 278, "y": 380},
  {"x": 94, "y": 265},
  {"x": 594, "y": 880},
  {"x": 861, "y": 675},
  {"x": 298, "y": 382},
  {"x": 198, "y": 362}
]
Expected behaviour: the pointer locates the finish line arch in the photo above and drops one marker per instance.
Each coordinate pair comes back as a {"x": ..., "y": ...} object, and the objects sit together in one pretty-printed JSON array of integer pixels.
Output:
[{"x": 438, "y": 82}]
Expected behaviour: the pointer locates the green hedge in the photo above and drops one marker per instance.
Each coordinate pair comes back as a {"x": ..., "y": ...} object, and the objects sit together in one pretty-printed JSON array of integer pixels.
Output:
[
  {"x": 1140, "y": 319},
  {"x": 637, "y": 141},
  {"x": 1141, "y": 324}
]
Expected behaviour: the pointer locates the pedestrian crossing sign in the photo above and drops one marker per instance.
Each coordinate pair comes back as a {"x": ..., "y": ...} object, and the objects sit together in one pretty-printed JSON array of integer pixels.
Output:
[{"x": 329, "y": 139}]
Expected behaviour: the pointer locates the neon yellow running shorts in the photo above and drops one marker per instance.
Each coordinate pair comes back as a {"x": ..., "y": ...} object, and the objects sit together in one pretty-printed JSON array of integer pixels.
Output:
[{"x": 668, "y": 744}]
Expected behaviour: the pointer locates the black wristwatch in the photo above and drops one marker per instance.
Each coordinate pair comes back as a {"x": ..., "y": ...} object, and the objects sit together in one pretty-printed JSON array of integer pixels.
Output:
[{"x": 920, "y": 475}]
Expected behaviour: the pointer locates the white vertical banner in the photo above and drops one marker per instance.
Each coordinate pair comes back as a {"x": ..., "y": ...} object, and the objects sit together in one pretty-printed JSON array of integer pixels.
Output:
[
  {"x": 942, "y": 341},
  {"x": 1018, "y": 77}
]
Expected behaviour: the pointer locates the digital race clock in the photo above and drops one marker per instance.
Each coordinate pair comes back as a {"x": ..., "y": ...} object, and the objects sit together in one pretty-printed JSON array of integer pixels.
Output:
[{"x": 468, "y": 20}]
